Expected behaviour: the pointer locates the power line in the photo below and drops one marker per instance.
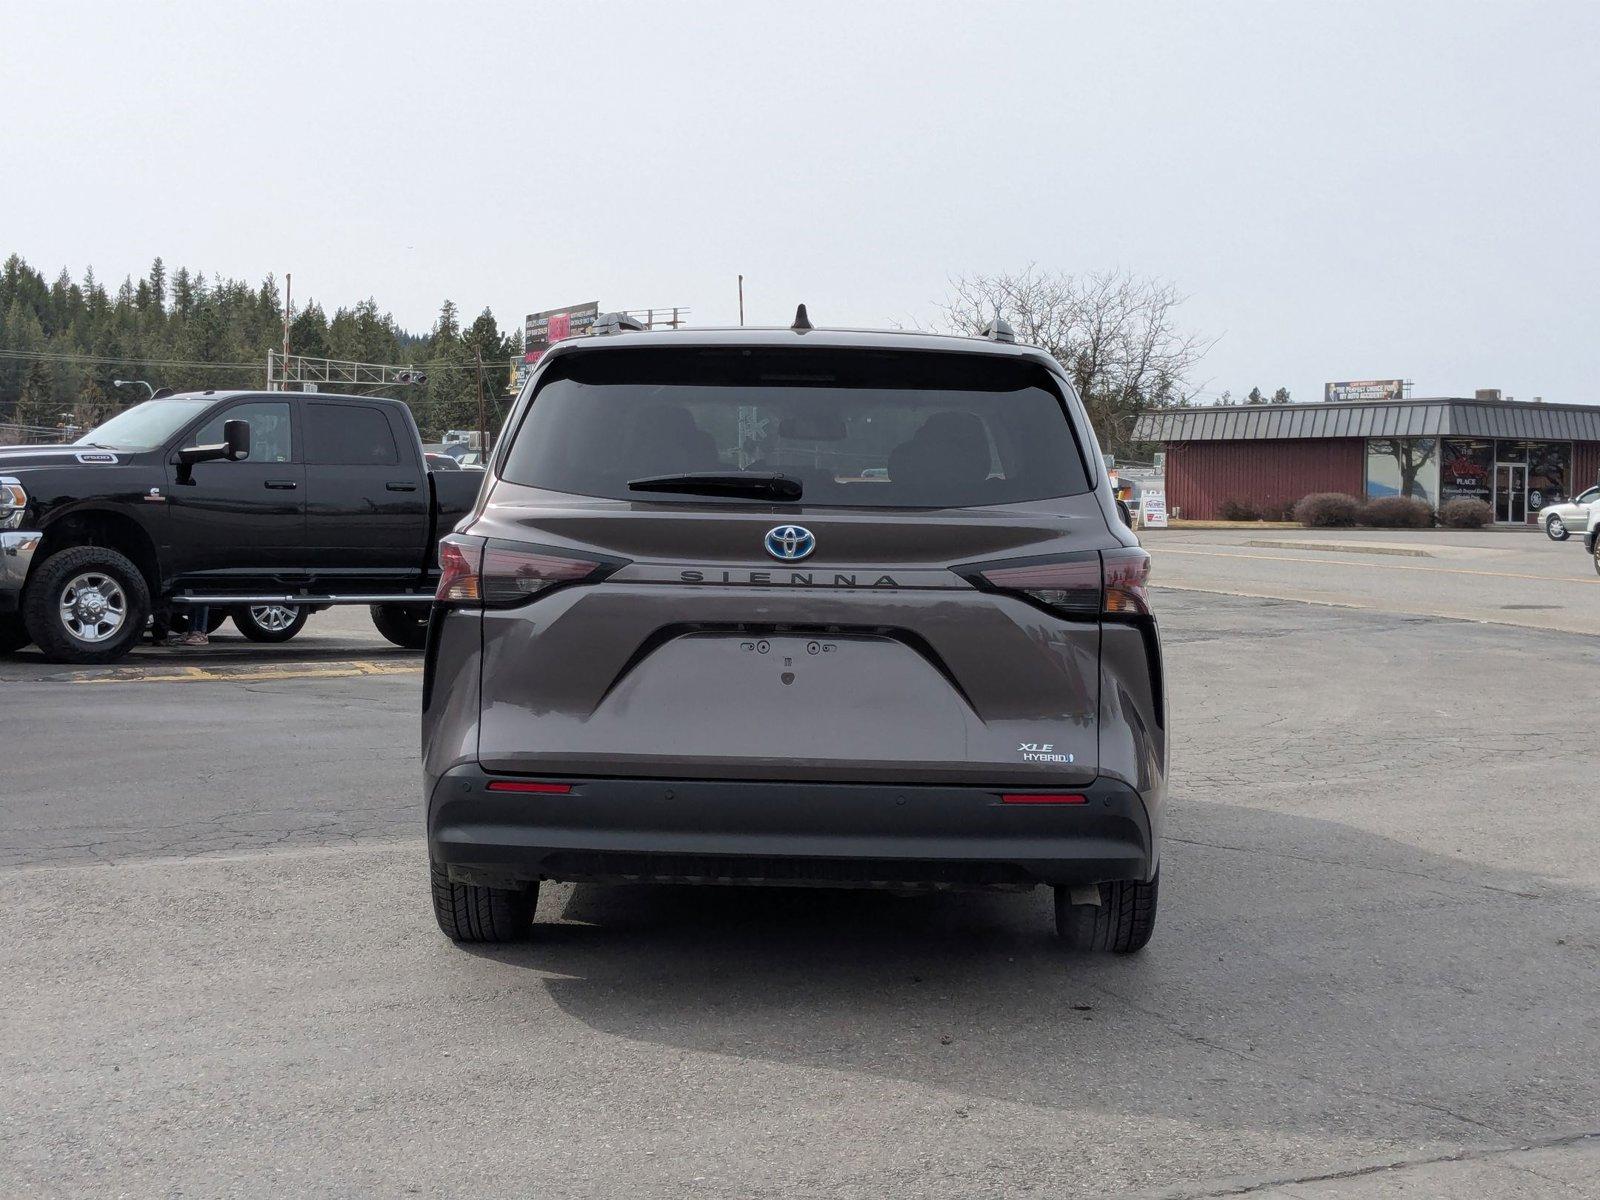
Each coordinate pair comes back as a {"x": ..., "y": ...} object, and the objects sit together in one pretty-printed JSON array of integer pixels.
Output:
[{"x": 113, "y": 361}]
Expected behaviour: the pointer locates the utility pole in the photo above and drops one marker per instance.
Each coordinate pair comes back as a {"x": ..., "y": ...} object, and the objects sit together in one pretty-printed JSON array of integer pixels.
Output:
[
  {"x": 288, "y": 282},
  {"x": 483, "y": 423},
  {"x": 741, "y": 301}
]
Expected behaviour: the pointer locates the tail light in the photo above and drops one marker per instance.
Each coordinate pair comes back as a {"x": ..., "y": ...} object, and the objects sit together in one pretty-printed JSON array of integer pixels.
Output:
[
  {"x": 1090, "y": 584},
  {"x": 459, "y": 559},
  {"x": 505, "y": 574},
  {"x": 1127, "y": 578}
]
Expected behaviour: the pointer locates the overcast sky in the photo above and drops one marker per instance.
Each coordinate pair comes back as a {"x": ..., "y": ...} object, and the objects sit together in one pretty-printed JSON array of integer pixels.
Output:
[{"x": 1344, "y": 191}]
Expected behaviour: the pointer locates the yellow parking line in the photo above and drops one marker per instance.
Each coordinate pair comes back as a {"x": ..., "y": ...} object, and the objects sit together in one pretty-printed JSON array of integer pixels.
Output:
[
  {"x": 1376, "y": 566},
  {"x": 243, "y": 674}
]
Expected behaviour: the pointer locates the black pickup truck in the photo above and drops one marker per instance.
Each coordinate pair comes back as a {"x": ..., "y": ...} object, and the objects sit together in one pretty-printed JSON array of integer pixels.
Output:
[{"x": 262, "y": 505}]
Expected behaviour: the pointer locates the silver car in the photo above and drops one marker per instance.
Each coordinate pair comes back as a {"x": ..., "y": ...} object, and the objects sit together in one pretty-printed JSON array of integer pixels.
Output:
[{"x": 1561, "y": 518}]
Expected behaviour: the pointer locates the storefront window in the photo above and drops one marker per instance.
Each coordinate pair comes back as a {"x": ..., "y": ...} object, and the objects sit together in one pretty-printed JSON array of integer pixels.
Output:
[
  {"x": 1517, "y": 478},
  {"x": 1549, "y": 468},
  {"x": 1403, "y": 467},
  {"x": 1466, "y": 470}
]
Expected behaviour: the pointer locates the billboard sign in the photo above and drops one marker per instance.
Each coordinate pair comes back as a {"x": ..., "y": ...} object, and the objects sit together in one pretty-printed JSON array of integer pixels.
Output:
[
  {"x": 544, "y": 329},
  {"x": 1365, "y": 389}
]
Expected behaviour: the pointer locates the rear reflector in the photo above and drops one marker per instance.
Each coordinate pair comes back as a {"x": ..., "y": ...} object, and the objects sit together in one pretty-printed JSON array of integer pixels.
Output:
[
  {"x": 1043, "y": 798},
  {"x": 527, "y": 785}
]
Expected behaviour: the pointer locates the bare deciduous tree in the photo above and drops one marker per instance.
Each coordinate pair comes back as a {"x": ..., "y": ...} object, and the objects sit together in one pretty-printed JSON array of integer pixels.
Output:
[{"x": 1117, "y": 334}]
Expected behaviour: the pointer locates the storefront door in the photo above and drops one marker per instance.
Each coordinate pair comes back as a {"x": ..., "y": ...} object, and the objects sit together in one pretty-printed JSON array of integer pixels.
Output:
[{"x": 1511, "y": 493}]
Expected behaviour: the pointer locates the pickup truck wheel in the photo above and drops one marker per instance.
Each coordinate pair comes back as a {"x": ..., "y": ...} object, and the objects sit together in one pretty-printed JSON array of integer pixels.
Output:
[
  {"x": 405, "y": 625},
  {"x": 1122, "y": 922},
  {"x": 87, "y": 604},
  {"x": 1556, "y": 529},
  {"x": 13, "y": 635},
  {"x": 269, "y": 622},
  {"x": 470, "y": 913}
]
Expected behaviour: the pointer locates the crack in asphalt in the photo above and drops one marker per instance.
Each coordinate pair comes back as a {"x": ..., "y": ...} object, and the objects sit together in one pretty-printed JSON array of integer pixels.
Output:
[
  {"x": 1469, "y": 1154},
  {"x": 1357, "y": 866},
  {"x": 1172, "y": 1026}
]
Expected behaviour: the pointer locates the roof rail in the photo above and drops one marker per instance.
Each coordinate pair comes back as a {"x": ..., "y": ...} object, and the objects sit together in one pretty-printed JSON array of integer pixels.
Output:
[
  {"x": 616, "y": 322},
  {"x": 998, "y": 331}
]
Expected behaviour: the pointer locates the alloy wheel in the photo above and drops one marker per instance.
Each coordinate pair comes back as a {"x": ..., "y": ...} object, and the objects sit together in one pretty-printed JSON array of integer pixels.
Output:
[
  {"x": 93, "y": 607},
  {"x": 274, "y": 618}
]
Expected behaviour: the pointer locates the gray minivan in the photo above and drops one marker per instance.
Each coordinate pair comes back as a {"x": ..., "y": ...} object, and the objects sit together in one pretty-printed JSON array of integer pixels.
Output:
[{"x": 795, "y": 606}]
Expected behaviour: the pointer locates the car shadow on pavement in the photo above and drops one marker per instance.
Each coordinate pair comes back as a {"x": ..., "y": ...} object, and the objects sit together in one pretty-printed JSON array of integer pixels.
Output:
[{"x": 1304, "y": 974}]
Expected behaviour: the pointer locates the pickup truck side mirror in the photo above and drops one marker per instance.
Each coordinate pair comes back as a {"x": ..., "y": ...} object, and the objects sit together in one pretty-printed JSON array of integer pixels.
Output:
[
  {"x": 235, "y": 445},
  {"x": 236, "y": 437}
]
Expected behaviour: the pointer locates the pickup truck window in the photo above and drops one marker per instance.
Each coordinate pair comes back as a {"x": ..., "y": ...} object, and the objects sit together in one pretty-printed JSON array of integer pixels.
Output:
[
  {"x": 270, "y": 437},
  {"x": 145, "y": 426},
  {"x": 349, "y": 435}
]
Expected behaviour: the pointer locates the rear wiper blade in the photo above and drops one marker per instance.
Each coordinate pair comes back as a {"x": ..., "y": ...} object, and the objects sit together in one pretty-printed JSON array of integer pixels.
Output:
[{"x": 757, "y": 485}]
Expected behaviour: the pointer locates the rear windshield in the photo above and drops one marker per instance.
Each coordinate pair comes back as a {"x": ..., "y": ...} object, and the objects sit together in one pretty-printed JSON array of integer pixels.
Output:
[{"x": 856, "y": 428}]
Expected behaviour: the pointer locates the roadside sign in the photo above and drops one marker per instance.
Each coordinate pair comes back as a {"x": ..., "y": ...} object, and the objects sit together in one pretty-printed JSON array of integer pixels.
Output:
[{"x": 1153, "y": 508}]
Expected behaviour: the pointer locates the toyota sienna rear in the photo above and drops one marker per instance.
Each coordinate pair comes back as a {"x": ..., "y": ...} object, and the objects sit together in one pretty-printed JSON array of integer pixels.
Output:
[{"x": 795, "y": 607}]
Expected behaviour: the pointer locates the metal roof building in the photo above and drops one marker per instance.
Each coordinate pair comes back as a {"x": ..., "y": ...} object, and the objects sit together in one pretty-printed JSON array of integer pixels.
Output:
[{"x": 1515, "y": 456}]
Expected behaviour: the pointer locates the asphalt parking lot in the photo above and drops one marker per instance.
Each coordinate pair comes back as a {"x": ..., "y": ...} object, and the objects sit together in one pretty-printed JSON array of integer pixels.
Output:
[{"x": 1374, "y": 974}]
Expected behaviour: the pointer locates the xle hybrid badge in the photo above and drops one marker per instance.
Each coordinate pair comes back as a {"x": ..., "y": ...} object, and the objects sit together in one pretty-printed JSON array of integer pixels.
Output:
[{"x": 790, "y": 543}]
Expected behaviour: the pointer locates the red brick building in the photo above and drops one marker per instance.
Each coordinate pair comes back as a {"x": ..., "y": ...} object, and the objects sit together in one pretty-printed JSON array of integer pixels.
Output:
[{"x": 1515, "y": 456}]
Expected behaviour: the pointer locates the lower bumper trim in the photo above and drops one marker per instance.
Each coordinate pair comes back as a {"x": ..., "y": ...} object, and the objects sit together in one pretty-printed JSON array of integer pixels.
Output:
[{"x": 834, "y": 835}]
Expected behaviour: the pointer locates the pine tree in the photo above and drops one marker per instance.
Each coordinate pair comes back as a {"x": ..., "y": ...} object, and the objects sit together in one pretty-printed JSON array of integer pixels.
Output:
[
  {"x": 158, "y": 283},
  {"x": 182, "y": 292}
]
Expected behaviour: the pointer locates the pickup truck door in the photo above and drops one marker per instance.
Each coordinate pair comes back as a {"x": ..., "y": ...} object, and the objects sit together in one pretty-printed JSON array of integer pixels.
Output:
[
  {"x": 239, "y": 518},
  {"x": 366, "y": 495}
]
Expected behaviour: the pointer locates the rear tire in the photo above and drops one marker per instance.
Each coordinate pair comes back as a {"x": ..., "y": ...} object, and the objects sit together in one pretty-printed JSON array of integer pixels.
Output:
[
  {"x": 269, "y": 622},
  {"x": 87, "y": 604},
  {"x": 13, "y": 635},
  {"x": 1122, "y": 922},
  {"x": 470, "y": 913},
  {"x": 1556, "y": 529},
  {"x": 406, "y": 625}
]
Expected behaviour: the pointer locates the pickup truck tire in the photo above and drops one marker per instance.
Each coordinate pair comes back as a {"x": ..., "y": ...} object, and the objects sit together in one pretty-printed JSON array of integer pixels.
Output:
[
  {"x": 13, "y": 635},
  {"x": 468, "y": 912},
  {"x": 86, "y": 604},
  {"x": 1122, "y": 922},
  {"x": 406, "y": 625},
  {"x": 269, "y": 622}
]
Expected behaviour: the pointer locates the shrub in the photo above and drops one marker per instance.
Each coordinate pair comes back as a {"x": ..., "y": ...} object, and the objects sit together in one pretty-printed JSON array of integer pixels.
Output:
[
  {"x": 1396, "y": 512},
  {"x": 1238, "y": 510},
  {"x": 1327, "y": 510},
  {"x": 1466, "y": 513}
]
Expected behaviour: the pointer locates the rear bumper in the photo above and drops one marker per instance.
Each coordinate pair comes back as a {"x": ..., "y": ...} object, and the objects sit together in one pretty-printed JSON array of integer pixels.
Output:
[
  {"x": 864, "y": 835},
  {"x": 16, "y": 556}
]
